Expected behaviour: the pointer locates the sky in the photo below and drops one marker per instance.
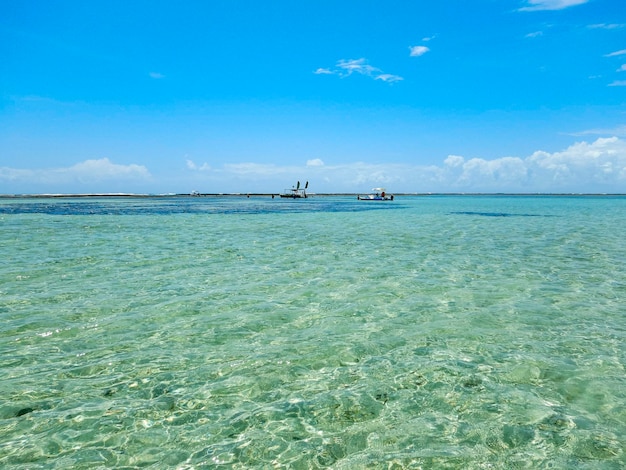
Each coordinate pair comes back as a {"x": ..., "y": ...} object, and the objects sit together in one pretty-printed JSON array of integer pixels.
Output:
[{"x": 249, "y": 96}]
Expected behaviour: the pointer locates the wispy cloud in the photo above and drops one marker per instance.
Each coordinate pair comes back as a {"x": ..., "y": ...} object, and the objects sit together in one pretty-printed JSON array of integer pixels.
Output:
[
  {"x": 539, "y": 5},
  {"x": 618, "y": 83},
  {"x": 156, "y": 75},
  {"x": 622, "y": 68},
  {"x": 251, "y": 171},
  {"x": 607, "y": 26},
  {"x": 359, "y": 66},
  {"x": 103, "y": 168},
  {"x": 346, "y": 67},
  {"x": 534, "y": 34},
  {"x": 616, "y": 53},
  {"x": 416, "y": 51},
  {"x": 611, "y": 131}
]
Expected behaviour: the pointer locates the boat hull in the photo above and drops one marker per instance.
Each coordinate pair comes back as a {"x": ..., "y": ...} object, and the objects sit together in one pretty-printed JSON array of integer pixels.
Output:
[{"x": 375, "y": 198}]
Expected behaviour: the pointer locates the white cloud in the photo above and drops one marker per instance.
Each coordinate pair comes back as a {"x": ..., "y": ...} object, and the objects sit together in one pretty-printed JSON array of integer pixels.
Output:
[
  {"x": 595, "y": 166},
  {"x": 600, "y": 163},
  {"x": 598, "y": 166},
  {"x": 618, "y": 83},
  {"x": 538, "y": 5},
  {"x": 156, "y": 75},
  {"x": 89, "y": 173},
  {"x": 454, "y": 161},
  {"x": 346, "y": 67},
  {"x": 416, "y": 51},
  {"x": 583, "y": 167},
  {"x": 387, "y": 77},
  {"x": 192, "y": 166},
  {"x": 356, "y": 65},
  {"x": 323, "y": 71},
  {"x": 489, "y": 174},
  {"x": 622, "y": 68},
  {"x": 535, "y": 34},
  {"x": 616, "y": 53}
]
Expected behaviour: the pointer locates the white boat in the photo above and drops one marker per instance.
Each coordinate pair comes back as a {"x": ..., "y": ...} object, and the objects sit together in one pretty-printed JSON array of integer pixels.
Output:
[{"x": 378, "y": 194}]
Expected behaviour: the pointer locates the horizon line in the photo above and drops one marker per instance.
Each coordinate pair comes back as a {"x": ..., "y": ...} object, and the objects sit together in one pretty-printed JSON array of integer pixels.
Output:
[{"x": 311, "y": 195}]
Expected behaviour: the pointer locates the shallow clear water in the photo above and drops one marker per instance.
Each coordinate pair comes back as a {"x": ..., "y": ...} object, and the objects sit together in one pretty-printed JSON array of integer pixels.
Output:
[{"x": 429, "y": 332}]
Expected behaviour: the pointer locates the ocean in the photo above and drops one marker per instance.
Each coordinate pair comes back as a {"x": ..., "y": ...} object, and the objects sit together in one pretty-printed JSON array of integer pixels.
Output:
[{"x": 444, "y": 332}]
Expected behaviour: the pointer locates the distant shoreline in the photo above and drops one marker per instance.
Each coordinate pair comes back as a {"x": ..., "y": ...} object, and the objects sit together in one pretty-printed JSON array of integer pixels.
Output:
[{"x": 275, "y": 195}]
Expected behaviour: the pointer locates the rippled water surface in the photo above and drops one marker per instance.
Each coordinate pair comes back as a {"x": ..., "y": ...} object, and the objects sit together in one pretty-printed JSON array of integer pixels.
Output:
[{"x": 463, "y": 332}]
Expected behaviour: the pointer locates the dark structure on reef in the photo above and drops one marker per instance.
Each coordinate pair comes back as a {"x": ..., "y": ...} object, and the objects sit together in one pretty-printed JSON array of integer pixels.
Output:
[{"x": 296, "y": 192}]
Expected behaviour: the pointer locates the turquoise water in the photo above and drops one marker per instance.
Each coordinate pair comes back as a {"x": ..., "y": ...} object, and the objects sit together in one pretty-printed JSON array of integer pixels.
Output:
[{"x": 449, "y": 332}]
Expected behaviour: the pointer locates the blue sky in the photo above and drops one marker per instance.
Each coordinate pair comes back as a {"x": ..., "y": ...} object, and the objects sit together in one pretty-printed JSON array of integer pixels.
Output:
[{"x": 250, "y": 96}]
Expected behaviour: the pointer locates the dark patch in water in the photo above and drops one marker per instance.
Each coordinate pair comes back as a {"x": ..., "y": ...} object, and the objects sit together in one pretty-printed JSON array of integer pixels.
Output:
[
  {"x": 24, "y": 411},
  {"x": 165, "y": 206},
  {"x": 498, "y": 214},
  {"x": 382, "y": 397}
]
